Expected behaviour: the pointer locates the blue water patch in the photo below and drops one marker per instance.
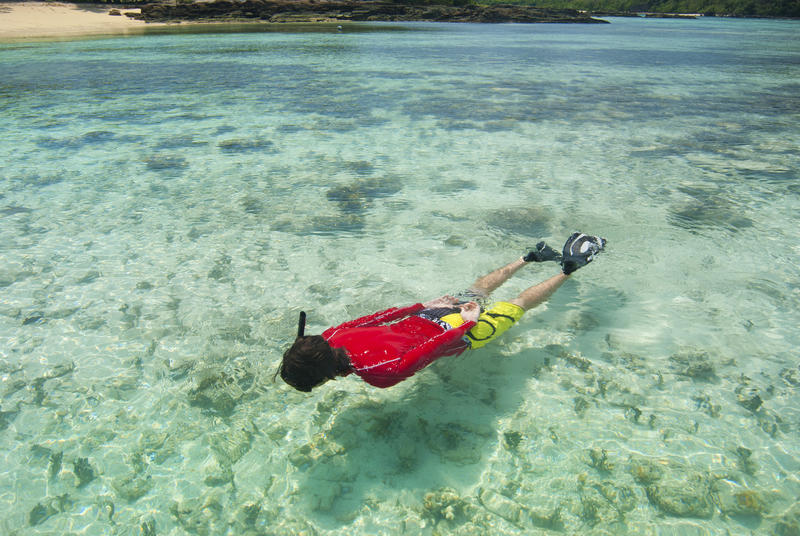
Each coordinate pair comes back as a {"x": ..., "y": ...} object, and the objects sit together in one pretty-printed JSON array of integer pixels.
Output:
[
  {"x": 11, "y": 210},
  {"x": 181, "y": 142},
  {"x": 234, "y": 145},
  {"x": 165, "y": 162},
  {"x": 90, "y": 138}
]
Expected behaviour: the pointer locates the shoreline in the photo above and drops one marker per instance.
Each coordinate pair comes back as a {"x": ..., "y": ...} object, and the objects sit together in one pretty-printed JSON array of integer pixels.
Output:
[
  {"x": 41, "y": 20},
  {"x": 32, "y": 21}
]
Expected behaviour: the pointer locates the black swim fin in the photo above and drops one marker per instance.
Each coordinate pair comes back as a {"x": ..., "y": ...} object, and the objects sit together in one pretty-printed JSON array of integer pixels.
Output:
[{"x": 542, "y": 253}]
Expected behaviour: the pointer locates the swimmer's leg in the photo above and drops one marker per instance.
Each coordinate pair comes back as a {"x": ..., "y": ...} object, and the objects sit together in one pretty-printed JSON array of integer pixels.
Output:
[
  {"x": 485, "y": 285},
  {"x": 538, "y": 294},
  {"x": 502, "y": 315}
]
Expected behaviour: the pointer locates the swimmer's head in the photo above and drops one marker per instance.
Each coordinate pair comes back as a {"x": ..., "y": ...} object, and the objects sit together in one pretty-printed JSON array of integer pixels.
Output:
[
  {"x": 311, "y": 361},
  {"x": 308, "y": 363}
]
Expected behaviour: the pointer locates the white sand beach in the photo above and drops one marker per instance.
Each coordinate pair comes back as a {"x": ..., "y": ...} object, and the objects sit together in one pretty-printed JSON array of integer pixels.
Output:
[{"x": 36, "y": 20}]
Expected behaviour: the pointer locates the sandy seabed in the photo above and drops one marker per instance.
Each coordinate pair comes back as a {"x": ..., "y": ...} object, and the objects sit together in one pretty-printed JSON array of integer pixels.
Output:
[{"x": 36, "y": 20}]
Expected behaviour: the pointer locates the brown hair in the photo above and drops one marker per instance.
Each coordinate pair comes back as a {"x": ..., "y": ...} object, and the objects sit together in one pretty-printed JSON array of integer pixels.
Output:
[{"x": 311, "y": 361}]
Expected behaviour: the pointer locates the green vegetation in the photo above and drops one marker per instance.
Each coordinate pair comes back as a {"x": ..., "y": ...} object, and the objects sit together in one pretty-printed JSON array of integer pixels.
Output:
[
  {"x": 731, "y": 8},
  {"x": 735, "y": 8}
]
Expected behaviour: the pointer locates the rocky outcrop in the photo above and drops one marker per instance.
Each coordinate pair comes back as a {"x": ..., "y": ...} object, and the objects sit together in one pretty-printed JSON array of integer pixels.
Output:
[{"x": 334, "y": 11}]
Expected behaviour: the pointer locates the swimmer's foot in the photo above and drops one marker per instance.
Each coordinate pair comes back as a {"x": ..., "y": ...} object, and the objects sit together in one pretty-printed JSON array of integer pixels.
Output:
[
  {"x": 580, "y": 250},
  {"x": 542, "y": 253}
]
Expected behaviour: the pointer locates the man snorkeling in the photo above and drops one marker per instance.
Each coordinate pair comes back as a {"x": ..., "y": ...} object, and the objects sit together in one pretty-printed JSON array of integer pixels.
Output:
[{"x": 389, "y": 346}]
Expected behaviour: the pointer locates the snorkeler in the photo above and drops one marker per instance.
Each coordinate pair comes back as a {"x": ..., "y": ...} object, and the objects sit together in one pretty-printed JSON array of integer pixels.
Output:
[{"x": 389, "y": 346}]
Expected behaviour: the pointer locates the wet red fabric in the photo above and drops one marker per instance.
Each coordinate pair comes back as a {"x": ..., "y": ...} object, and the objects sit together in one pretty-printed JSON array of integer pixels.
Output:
[{"x": 389, "y": 346}]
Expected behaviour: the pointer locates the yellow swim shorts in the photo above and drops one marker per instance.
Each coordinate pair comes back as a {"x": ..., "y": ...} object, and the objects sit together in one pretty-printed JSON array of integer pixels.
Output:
[{"x": 491, "y": 324}]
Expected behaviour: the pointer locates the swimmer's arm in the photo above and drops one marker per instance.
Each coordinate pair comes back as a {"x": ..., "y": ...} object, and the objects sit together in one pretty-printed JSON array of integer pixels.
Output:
[{"x": 445, "y": 301}]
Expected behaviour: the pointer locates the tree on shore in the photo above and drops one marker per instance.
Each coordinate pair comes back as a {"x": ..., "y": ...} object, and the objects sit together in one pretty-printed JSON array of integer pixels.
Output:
[{"x": 731, "y": 8}]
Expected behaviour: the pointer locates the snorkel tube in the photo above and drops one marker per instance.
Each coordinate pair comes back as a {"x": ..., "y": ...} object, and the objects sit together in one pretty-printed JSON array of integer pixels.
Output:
[{"x": 301, "y": 324}]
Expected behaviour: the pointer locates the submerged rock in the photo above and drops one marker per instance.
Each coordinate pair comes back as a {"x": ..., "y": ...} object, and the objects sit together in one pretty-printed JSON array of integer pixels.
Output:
[
  {"x": 500, "y": 505},
  {"x": 599, "y": 459},
  {"x": 771, "y": 423},
  {"x": 707, "y": 405},
  {"x": 791, "y": 376},
  {"x": 248, "y": 513},
  {"x": 689, "y": 497},
  {"x": 512, "y": 439},
  {"x": 445, "y": 503},
  {"x": 12, "y": 210},
  {"x": 217, "y": 473},
  {"x": 48, "y": 508},
  {"x": 219, "y": 391},
  {"x": 456, "y": 241},
  {"x": 357, "y": 196},
  {"x": 321, "y": 448},
  {"x": 532, "y": 222},
  {"x": 148, "y": 527},
  {"x": 708, "y": 207},
  {"x": 221, "y": 269},
  {"x": 747, "y": 395},
  {"x": 600, "y": 504},
  {"x": 788, "y": 524},
  {"x": 620, "y": 496},
  {"x": 201, "y": 515},
  {"x": 252, "y": 205},
  {"x": 105, "y": 504},
  {"x": 454, "y": 442},
  {"x": 745, "y": 460},
  {"x": 693, "y": 363},
  {"x": 750, "y": 400},
  {"x": 164, "y": 162},
  {"x": 58, "y": 371},
  {"x": 344, "y": 223},
  {"x": 577, "y": 361},
  {"x": 645, "y": 471},
  {"x": 89, "y": 277},
  {"x": 244, "y": 145},
  {"x": 735, "y": 499},
  {"x": 231, "y": 444},
  {"x": 12, "y": 386},
  {"x": 545, "y": 513},
  {"x": 332, "y": 401},
  {"x": 360, "y": 167},
  {"x": 580, "y": 405},
  {"x": 132, "y": 487},
  {"x": 36, "y": 317},
  {"x": 54, "y": 465},
  {"x": 325, "y": 225},
  {"x": 84, "y": 471},
  {"x": 6, "y": 417}
]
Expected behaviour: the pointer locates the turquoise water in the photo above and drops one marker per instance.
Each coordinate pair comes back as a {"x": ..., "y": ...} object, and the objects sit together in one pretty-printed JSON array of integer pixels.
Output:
[{"x": 170, "y": 203}]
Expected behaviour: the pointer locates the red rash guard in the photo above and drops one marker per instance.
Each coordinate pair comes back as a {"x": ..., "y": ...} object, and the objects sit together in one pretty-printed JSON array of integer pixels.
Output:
[{"x": 387, "y": 347}]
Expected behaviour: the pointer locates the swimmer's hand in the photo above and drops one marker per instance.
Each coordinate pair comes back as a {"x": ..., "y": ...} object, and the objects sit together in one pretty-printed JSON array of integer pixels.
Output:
[
  {"x": 580, "y": 250},
  {"x": 444, "y": 301},
  {"x": 470, "y": 311},
  {"x": 542, "y": 253}
]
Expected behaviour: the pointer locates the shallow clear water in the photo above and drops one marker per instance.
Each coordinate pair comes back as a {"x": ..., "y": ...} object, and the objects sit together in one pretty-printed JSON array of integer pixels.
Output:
[{"x": 170, "y": 203}]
